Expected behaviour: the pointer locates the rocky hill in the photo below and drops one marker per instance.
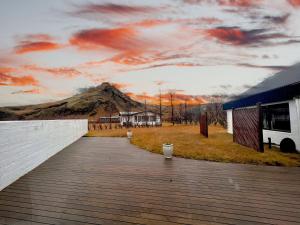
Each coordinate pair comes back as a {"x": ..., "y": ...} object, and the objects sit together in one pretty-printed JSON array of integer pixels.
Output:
[{"x": 92, "y": 103}]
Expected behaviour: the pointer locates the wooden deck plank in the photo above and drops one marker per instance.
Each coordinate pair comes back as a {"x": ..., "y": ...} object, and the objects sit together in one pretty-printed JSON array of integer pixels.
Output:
[
  {"x": 109, "y": 181},
  {"x": 152, "y": 206},
  {"x": 184, "y": 193},
  {"x": 10, "y": 221}
]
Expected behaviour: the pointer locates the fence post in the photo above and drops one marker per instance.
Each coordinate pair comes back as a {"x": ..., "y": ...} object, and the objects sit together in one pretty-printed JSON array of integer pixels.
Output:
[
  {"x": 233, "y": 130},
  {"x": 260, "y": 128}
]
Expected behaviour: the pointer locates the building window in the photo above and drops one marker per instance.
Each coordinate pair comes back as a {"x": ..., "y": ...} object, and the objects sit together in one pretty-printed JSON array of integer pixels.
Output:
[{"x": 277, "y": 117}]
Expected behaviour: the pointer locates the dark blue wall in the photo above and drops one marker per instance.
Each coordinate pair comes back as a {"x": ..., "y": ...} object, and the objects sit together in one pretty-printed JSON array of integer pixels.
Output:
[{"x": 276, "y": 95}]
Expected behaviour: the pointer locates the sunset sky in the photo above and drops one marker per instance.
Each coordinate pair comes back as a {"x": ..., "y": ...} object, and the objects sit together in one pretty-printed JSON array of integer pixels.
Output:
[{"x": 51, "y": 49}]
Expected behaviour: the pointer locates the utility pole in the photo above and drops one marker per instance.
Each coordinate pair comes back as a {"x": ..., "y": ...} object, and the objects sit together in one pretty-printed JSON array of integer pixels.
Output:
[
  {"x": 146, "y": 117},
  {"x": 172, "y": 106},
  {"x": 128, "y": 109},
  {"x": 110, "y": 114},
  {"x": 185, "y": 111},
  {"x": 160, "y": 109}
]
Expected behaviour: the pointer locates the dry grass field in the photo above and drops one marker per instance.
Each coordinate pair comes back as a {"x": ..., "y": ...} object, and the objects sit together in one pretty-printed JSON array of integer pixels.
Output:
[{"x": 188, "y": 143}]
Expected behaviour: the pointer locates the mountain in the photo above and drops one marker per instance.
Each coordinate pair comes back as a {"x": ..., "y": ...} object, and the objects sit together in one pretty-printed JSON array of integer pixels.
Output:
[{"x": 92, "y": 103}]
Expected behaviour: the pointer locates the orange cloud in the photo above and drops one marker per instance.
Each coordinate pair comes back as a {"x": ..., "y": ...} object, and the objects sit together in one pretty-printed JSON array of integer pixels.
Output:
[
  {"x": 61, "y": 71},
  {"x": 234, "y": 3},
  {"x": 178, "y": 98},
  {"x": 148, "y": 23},
  {"x": 239, "y": 3},
  {"x": 142, "y": 97},
  {"x": 295, "y": 3},
  {"x": 230, "y": 35},
  {"x": 27, "y": 47},
  {"x": 140, "y": 58},
  {"x": 189, "y": 99},
  {"x": 36, "y": 43},
  {"x": 128, "y": 58},
  {"x": 151, "y": 23},
  {"x": 134, "y": 58},
  {"x": 123, "y": 39},
  {"x": 129, "y": 44},
  {"x": 9, "y": 80},
  {"x": 121, "y": 85},
  {"x": 7, "y": 69},
  {"x": 131, "y": 47},
  {"x": 237, "y": 36}
]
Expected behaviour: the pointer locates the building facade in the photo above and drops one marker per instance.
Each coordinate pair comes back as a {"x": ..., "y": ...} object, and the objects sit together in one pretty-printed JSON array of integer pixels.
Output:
[
  {"x": 280, "y": 106},
  {"x": 140, "y": 118}
]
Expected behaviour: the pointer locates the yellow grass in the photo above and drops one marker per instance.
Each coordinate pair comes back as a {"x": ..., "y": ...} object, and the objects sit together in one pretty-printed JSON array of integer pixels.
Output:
[{"x": 188, "y": 143}]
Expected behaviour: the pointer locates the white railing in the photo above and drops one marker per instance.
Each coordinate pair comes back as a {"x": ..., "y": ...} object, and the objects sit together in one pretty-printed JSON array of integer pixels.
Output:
[{"x": 26, "y": 144}]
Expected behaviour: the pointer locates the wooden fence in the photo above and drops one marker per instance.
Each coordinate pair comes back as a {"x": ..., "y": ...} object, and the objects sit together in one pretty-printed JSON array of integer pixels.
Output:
[
  {"x": 103, "y": 126},
  {"x": 97, "y": 126},
  {"x": 247, "y": 127}
]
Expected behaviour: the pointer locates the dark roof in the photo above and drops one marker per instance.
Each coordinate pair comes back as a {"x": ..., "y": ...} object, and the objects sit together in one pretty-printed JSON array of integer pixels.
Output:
[
  {"x": 280, "y": 79},
  {"x": 135, "y": 113},
  {"x": 283, "y": 86},
  {"x": 275, "y": 95}
]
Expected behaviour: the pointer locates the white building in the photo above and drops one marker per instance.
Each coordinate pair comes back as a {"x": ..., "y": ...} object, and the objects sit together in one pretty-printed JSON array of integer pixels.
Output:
[
  {"x": 279, "y": 96},
  {"x": 139, "y": 118}
]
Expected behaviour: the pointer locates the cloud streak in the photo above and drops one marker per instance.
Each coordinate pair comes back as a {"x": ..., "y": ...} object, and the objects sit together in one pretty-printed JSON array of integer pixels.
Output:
[
  {"x": 31, "y": 91},
  {"x": 238, "y": 36},
  {"x": 59, "y": 72},
  {"x": 240, "y": 3},
  {"x": 36, "y": 43},
  {"x": 271, "y": 67},
  {"x": 111, "y": 8},
  {"x": 121, "y": 85},
  {"x": 178, "y": 98},
  {"x": 9, "y": 80},
  {"x": 230, "y": 3},
  {"x": 278, "y": 19},
  {"x": 122, "y": 39}
]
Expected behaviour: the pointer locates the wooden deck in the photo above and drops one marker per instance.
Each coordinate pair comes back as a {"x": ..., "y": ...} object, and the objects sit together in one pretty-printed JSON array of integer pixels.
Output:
[{"x": 109, "y": 181}]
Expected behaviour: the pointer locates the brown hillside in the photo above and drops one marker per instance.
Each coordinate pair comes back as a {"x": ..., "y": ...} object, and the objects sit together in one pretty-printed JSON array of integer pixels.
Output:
[{"x": 91, "y": 104}]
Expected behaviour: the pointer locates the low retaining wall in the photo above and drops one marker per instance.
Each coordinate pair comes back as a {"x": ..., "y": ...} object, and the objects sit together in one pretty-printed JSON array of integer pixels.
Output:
[{"x": 26, "y": 144}]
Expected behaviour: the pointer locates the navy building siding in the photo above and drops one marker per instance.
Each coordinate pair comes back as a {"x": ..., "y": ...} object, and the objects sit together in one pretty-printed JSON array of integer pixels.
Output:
[{"x": 275, "y": 95}]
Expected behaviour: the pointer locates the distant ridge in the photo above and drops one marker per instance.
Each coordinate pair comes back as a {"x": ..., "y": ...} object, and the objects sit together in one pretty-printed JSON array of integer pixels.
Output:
[{"x": 92, "y": 103}]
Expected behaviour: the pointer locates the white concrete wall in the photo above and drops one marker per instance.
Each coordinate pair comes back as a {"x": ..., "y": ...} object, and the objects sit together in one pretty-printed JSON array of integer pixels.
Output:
[
  {"x": 277, "y": 137},
  {"x": 229, "y": 121},
  {"x": 26, "y": 144}
]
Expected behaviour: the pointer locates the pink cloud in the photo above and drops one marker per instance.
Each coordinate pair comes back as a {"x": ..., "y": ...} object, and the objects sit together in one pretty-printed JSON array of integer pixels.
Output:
[
  {"x": 36, "y": 43},
  {"x": 60, "y": 71},
  {"x": 9, "y": 80},
  {"x": 295, "y": 3}
]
